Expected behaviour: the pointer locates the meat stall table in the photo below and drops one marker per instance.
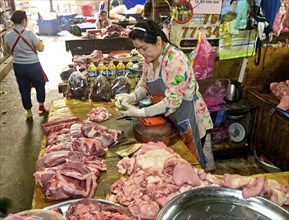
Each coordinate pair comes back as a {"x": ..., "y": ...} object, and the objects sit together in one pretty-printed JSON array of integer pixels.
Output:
[
  {"x": 63, "y": 108},
  {"x": 81, "y": 45}
]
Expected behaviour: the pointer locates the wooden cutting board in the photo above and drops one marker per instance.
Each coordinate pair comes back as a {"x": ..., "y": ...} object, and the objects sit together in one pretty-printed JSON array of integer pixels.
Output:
[{"x": 166, "y": 133}]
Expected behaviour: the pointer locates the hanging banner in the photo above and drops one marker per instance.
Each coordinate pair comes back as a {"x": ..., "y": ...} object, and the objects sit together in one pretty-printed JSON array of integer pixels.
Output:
[
  {"x": 234, "y": 41},
  {"x": 207, "y": 6}
]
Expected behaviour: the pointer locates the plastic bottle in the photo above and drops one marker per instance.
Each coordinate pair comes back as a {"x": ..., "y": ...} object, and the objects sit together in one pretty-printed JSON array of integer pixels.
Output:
[
  {"x": 111, "y": 69},
  {"x": 130, "y": 74},
  {"x": 128, "y": 67},
  {"x": 101, "y": 69},
  {"x": 120, "y": 69},
  {"x": 92, "y": 70}
]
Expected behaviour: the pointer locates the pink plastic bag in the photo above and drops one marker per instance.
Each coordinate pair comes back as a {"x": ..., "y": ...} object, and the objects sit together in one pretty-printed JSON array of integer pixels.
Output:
[
  {"x": 215, "y": 92},
  {"x": 204, "y": 58},
  {"x": 279, "y": 19},
  {"x": 286, "y": 21}
]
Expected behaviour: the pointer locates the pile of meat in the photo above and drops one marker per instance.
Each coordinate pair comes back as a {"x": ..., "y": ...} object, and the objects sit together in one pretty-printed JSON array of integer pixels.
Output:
[
  {"x": 94, "y": 210},
  {"x": 281, "y": 91},
  {"x": 99, "y": 114},
  {"x": 113, "y": 30},
  {"x": 71, "y": 163},
  {"x": 83, "y": 61},
  {"x": 157, "y": 174}
]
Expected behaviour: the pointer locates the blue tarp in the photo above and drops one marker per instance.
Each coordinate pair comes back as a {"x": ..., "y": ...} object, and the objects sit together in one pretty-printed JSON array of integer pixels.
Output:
[{"x": 130, "y": 4}]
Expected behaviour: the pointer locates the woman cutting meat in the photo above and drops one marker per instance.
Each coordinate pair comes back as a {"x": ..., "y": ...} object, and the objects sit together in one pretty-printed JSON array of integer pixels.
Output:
[
  {"x": 168, "y": 74},
  {"x": 23, "y": 45}
]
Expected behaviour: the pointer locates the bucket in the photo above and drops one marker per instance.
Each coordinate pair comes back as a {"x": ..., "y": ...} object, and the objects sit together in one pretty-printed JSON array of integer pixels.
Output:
[{"x": 86, "y": 10}]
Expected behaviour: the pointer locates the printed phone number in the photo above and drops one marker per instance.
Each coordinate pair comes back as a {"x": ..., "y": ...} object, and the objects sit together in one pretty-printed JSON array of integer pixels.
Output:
[{"x": 209, "y": 23}]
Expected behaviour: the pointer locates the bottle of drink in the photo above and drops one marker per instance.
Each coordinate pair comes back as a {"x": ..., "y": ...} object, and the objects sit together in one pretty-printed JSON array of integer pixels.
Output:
[
  {"x": 111, "y": 71},
  {"x": 128, "y": 67},
  {"x": 101, "y": 69},
  {"x": 91, "y": 70},
  {"x": 130, "y": 74},
  {"x": 120, "y": 69}
]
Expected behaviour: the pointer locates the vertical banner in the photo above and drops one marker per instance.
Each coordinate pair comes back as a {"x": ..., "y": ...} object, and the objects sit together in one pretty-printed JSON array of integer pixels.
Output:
[{"x": 234, "y": 40}]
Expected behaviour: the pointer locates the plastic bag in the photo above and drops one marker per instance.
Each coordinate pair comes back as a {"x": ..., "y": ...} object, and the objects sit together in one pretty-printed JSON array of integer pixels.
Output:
[
  {"x": 279, "y": 19},
  {"x": 120, "y": 84},
  {"x": 203, "y": 58},
  {"x": 101, "y": 90},
  {"x": 286, "y": 20},
  {"x": 77, "y": 86},
  {"x": 215, "y": 92}
]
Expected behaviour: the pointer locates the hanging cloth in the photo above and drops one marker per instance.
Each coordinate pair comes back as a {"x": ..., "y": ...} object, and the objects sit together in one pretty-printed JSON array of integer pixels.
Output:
[{"x": 270, "y": 9}]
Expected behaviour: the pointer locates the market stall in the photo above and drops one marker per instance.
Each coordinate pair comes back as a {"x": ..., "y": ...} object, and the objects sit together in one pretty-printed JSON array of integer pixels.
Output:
[{"x": 256, "y": 110}]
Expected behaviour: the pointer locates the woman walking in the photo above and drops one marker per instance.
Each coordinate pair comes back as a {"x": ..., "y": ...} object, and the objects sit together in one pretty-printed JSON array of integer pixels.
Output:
[{"x": 23, "y": 45}]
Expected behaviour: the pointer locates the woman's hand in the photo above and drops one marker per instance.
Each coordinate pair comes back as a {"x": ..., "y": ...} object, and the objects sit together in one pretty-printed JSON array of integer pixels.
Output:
[
  {"x": 123, "y": 98},
  {"x": 133, "y": 111}
]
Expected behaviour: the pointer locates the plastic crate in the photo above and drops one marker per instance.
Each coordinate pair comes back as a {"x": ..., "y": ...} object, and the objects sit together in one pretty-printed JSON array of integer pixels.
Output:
[{"x": 49, "y": 27}]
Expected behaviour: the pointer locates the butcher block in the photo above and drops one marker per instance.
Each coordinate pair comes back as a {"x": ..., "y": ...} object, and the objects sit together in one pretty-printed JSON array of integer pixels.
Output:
[
  {"x": 63, "y": 108},
  {"x": 166, "y": 133}
]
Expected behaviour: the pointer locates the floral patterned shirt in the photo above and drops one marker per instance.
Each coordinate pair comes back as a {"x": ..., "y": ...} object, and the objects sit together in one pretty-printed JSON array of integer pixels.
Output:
[{"x": 179, "y": 78}]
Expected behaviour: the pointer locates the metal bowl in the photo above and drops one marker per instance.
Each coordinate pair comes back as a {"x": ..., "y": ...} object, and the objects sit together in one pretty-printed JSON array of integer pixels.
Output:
[
  {"x": 266, "y": 166},
  {"x": 220, "y": 203},
  {"x": 137, "y": 68}
]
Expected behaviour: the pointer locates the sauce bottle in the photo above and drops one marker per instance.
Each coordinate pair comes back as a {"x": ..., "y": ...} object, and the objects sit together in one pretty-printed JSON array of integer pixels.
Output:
[
  {"x": 101, "y": 69},
  {"x": 120, "y": 69}
]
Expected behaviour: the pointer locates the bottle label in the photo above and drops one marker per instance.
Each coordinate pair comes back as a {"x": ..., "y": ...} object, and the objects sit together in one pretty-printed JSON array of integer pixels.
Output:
[
  {"x": 111, "y": 72},
  {"x": 128, "y": 72},
  {"x": 102, "y": 73},
  {"x": 120, "y": 72},
  {"x": 91, "y": 73}
]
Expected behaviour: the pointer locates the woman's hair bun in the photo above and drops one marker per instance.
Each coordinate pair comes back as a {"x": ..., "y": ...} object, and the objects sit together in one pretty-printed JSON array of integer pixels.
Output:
[{"x": 18, "y": 16}]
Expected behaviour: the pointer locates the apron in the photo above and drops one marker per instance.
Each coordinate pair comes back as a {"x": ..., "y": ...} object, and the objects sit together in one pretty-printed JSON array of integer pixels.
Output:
[
  {"x": 26, "y": 42},
  {"x": 184, "y": 118}
]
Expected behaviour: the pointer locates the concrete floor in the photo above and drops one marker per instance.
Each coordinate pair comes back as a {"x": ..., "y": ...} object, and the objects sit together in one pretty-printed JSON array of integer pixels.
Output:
[{"x": 20, "y": 142}]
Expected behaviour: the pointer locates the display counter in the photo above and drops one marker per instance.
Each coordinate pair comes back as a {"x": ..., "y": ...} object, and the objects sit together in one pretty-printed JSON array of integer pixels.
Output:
[
  {"x": 81, "y": 45},
  {"x": 63, "y": 108}
]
